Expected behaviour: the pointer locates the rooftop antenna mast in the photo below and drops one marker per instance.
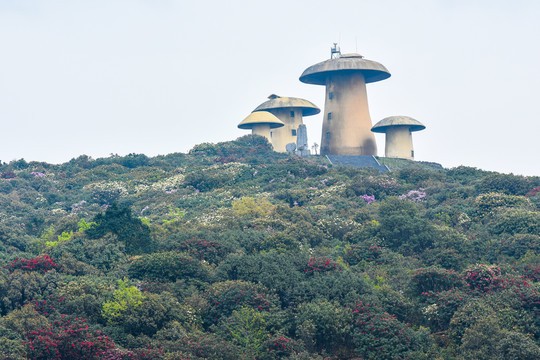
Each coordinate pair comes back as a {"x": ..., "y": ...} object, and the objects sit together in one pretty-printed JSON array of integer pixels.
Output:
[{"x": 335, "y": 51}]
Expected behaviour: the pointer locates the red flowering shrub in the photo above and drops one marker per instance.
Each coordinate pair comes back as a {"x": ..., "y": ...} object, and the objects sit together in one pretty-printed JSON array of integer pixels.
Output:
[
  {"x": 533, "y": 192},
  {"x": 531, "y": 272},
  {"x": 321, "y": 265},
  {"x": 66, "y": 339},
  {"x": 41, "y": 263},
  {"x": 225, "y": 297},
  {"x": 7, "y": 175}
]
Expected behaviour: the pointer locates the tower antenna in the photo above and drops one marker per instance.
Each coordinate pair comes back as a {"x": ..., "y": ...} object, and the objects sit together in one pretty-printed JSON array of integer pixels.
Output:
[{"x": 335, "y": 51}]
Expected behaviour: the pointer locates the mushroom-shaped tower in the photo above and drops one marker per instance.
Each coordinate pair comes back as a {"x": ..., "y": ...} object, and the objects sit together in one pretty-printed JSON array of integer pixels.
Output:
[
  {"x": 398, "y": 130},
  {"x": 346, "y": 123},
  {"x": 290, "y": 111},
  {"x": 261, "y": 123}
]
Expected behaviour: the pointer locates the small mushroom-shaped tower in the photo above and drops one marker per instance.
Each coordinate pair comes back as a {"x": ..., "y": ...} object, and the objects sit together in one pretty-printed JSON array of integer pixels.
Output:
[
  {"x": 398, "y": 130},
  {"x": 346, "y": 123},
  {"x": 261, "y": 123},
  {"x": 290, "y": 111}
]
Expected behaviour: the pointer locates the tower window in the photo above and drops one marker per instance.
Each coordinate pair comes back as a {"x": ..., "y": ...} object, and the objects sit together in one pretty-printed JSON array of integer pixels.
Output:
[
  {"x": 293, "y": 132},
  {"x": 328, "y": 135},
  {"x": 270, "y": 134},
  {"x": 330, "y": 95},
  {"x": 329, "y": 116},
  {"x": 292, "y": 113}
]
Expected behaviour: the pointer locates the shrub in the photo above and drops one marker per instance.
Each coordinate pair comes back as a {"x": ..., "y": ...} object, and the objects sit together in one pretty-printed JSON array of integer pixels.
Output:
[
  {"x": 323, "y": 325},
  {"x": 280, "y": 347},
  {"x": 366, "y": 251},
  {"x": 67, "y": 339},
  {"x": 517, "y": 221},
  {"x": 321, "y": 265},
  {"x": 433, "y": 279},
  {"x": 380, "y": 186},
  {"x": 247, "y": 206},
  {"x": 481, "y": 277},
  {"x": 379, "y": 335},
  {"x": 505, "y": 183},
  {"x": 518, "y": 245},
  {"x": 167, "y": 266},
  {"x": 207, "y": 250},
  {"x": 41, "y": 264},
  {"x": 487, "y": 204},
  {"x": 225, "y": 297}
]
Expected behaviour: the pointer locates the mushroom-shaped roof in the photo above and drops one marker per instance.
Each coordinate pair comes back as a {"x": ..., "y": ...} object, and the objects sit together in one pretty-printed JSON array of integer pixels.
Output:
[
  {"x": 260, "y": 118},
  {"x": 384, "y": 124},
  {"x": 278, "y": 102},
  {"x": 372, "y": 70}
]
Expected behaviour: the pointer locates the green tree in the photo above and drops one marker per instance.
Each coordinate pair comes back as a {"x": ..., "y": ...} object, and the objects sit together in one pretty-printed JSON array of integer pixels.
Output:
[
  {"x": 129, "y": 230},
  {"x": 126, "y": 298},
  {"x": 246, "y": 328}
]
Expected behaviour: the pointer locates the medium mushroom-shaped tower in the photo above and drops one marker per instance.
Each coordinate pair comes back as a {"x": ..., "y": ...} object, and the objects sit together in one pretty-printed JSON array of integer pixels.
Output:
[
  {"x": 290, "y": 111},
  {"x": 398, "y": 130},
  {"x": 346, "y": 123},
  {"x": 261, "y": 123}
]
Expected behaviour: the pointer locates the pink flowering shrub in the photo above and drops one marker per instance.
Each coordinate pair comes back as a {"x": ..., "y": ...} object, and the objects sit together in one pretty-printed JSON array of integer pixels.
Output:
[
  {"x": 42, "y": 264},
  {"x": 65, "y": 339},
  {"x": 481, "y": 277},
  {"x": 369, "y": 199},
  {"x": 414, "y": 195},
  {"x": 321, "y": 265}
]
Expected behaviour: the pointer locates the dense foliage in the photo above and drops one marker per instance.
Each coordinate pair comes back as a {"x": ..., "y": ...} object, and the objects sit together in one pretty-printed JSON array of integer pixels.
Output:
[{"x": 234, "y": 251}]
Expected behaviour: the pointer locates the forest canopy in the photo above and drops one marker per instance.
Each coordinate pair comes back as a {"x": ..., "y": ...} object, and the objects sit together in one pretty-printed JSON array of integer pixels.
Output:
[{"x": 233, "y": 251}]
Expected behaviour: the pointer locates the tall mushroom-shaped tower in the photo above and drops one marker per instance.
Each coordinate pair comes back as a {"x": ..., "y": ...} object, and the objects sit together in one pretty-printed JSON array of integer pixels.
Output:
[
  {"x": 290, "y": 111},
  {"x": 261, "y": 123},
  {"x": 398, "y": 130},
  {"x": 346, "y": 123}
]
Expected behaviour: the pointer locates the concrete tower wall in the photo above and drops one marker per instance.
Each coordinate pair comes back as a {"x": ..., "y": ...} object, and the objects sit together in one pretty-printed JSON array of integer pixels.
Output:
[
  {"x": 263, "y": 130},
  {"x": 347, "y": 125},
  {"x": 284, "y": 135},
  {"x": 399, "y": 143}
]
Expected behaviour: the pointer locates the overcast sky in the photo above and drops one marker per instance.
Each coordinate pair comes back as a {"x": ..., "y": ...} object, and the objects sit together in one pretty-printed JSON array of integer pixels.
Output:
[{"x": 98, "y": 77}]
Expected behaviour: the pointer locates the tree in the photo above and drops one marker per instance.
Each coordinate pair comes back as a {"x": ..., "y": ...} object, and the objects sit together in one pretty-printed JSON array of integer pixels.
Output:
[{"x": 129, "y": 230}]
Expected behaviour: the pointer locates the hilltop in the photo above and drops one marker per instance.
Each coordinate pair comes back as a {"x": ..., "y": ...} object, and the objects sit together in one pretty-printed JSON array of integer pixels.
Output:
[{"x": 233, "y": 251}]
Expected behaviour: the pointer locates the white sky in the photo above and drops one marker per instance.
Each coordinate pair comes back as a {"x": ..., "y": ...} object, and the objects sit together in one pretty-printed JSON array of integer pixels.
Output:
[{"x": 158, "y": 76}]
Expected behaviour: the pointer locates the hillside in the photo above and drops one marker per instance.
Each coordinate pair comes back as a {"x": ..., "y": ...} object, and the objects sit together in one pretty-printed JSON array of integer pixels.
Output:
[{"x": 233, "y": 251}]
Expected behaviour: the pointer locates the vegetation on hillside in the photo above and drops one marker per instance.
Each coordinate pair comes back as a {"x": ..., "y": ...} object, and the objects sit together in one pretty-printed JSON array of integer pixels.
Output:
[{"x": 233, "y": 251}]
